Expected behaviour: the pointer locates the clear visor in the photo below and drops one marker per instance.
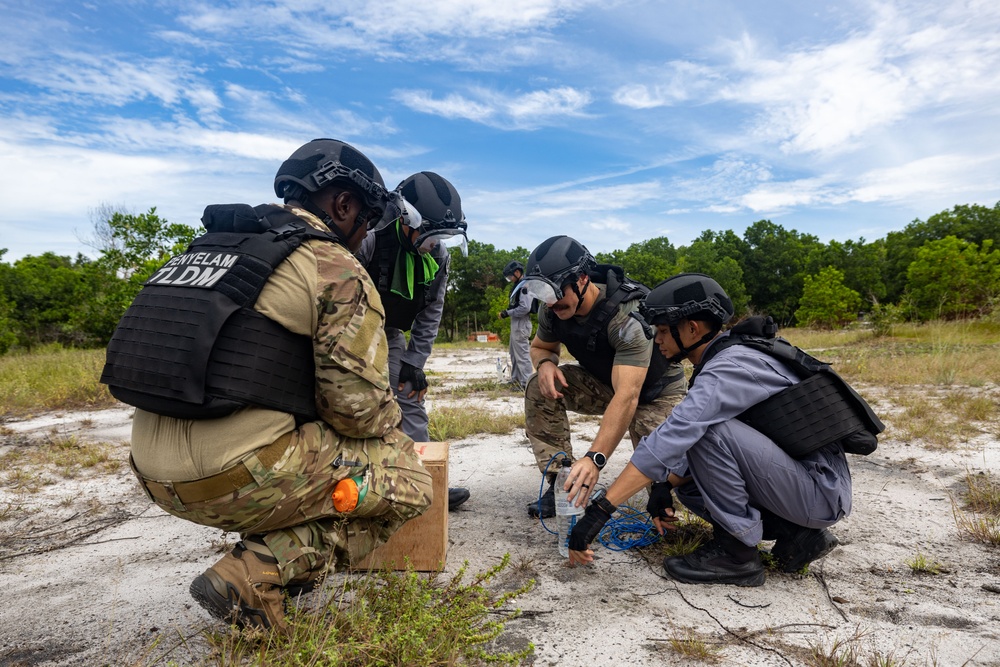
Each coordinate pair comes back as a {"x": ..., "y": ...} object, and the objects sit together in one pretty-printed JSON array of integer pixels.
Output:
[
  {"x": 399, "y": 209},
  {"x": 542, "y": 289},
  {"x": 449, "y": 238}
]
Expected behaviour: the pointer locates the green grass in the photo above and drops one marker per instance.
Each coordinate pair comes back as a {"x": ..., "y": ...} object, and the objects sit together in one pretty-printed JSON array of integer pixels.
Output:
[
  {"x": 455, "y": 423},
  {"x": 982, "y": 498},
  {"x": 58, "y": 456},
  {"x": 922, "y": 564},
  {"x": 54, "y": 379},
  {"x": 937, "y": 353},
  {"x": 389, "y": 618},
  {"x": 692, "y": 646}
]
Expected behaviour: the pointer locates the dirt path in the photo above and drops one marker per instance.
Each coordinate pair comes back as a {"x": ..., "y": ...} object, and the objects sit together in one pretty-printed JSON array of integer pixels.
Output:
[{"x": 93, "y": 574}]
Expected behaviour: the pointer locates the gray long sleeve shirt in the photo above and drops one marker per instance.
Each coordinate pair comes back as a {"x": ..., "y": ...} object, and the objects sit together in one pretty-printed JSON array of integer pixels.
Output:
[
  {"x": 523, "y": 308},
  {"x": 729, "y": 383}
]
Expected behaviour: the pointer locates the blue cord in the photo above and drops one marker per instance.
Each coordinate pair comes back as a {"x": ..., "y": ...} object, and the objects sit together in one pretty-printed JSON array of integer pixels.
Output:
[
  {"x": 628, "y": 528},
  {"x": 545, "y": 474}
]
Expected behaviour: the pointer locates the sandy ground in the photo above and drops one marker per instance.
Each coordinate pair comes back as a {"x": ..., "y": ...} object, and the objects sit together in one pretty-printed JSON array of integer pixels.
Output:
[{"x": 94, "y": 574}]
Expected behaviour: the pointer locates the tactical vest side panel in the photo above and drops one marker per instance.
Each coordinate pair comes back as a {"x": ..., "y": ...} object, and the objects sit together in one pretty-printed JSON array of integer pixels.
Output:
[{"x": 820, "y": 409}]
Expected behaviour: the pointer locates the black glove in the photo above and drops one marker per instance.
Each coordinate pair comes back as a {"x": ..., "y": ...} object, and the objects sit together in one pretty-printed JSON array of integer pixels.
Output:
[
  {"x": 586, "y": 530},
  {"x": 660, "y": 499},
  {"x": 415, "y": 376},
  {"x": 504, "y": 313}
]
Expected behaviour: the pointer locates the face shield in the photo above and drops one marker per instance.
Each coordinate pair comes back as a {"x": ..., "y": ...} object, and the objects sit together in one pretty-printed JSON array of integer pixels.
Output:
[
  {"x": 541, "y": 288},
  {"x": 449, "y": 238}
]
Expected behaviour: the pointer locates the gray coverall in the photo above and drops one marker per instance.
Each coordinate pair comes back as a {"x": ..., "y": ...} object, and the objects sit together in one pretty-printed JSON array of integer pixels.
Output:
[
  {"x": 520, "y": 333},
  {"x": 422, "y": 334},
  {"x": 736, "y": 469}
]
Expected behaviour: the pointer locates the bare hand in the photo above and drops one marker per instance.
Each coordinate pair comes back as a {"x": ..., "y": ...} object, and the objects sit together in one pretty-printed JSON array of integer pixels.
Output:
[
  {"x": 663, "y": 524},
  {"x": 548, "y": 376},
  {"x": 581, "y": 557},
  {"x": 582, "y": 480}
]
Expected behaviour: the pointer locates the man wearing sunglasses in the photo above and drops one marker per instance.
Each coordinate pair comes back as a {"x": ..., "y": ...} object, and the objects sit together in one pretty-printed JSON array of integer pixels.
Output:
[
  {"x": 258, "y": 365},
  {"x": 592, "y": 309},
  {"x": 407, "y": 257}
]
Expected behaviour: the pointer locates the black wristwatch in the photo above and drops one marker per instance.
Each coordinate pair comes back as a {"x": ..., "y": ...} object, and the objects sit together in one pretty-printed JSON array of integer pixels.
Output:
[{"x": 600, "y": 460}]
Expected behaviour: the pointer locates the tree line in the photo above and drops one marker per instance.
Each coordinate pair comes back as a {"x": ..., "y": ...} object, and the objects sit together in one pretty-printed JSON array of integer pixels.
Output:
[{"x": 943, "y": 267}]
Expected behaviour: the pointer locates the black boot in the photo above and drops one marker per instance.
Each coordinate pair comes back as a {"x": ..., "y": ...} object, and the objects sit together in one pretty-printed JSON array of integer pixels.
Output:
[
  {"x": 546, "y": 507},
  {"x": 795, "y": 546},
  {"x": 456, "y": 496},
  {"x": 722, "y": 560},
  {"x": 804, "y": 545}
]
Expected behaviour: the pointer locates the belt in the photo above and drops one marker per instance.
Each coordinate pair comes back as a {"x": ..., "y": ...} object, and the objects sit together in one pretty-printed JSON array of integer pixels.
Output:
[{"x": 219, "y": 484}]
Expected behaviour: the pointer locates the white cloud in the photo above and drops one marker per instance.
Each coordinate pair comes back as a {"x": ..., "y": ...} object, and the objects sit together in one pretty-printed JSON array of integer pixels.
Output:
[
  {"x": 363, "y": 23},
  {"x": 525, "y": 111},
  {"x": 930, "y": 177},
  {"x": 674, "y": 83},
  {"x": 88, "y": 80}
]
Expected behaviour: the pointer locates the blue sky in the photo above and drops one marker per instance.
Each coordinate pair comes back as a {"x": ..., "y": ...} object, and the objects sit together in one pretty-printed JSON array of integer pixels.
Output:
[{"x": 610, "y": 121}]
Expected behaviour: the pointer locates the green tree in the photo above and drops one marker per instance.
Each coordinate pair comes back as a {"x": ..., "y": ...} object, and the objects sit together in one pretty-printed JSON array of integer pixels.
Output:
[
  {"x": 648, "y": 262},
  {"x": 969, "y": 222},
  {"x": 826, "y": 301},
  {"x": 773, "y": 268},
  {"x": 42, "y": 293},
  {"x": 467, "y": 303},
  {"x": 953, "y": 278},
  {"x": 702, "y": 256},
  {"x": 7, "y": 315},
  {"x": 134, "y": 246},
  {"x": 863, "y": 265}
]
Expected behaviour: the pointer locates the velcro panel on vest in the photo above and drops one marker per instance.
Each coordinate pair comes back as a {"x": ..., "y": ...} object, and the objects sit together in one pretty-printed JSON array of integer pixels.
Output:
[
  {"x": 163, "y": 341},
  {"x": 806, "y": 416},
  {"x": 258, "y": 360}
]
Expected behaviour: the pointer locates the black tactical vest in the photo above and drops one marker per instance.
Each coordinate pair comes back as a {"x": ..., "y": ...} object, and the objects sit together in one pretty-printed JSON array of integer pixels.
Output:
[
  {"x": 820, "y": 409},
  {"x": 589, "y": 344},
  {"x": 399, "y": 312},
  {"x": 191, "y": 346}
]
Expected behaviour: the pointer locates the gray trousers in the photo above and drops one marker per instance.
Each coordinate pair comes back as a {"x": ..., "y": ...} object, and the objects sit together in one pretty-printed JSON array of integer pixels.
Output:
[
  {"x": 737, "y": 469},
  {"x": 414, "y": 413},
  {"x": 520, "y": 359}
]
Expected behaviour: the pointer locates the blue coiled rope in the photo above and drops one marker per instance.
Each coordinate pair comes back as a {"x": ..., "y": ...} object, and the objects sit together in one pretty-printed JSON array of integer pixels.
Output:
[{"x": 628, "y": 528}]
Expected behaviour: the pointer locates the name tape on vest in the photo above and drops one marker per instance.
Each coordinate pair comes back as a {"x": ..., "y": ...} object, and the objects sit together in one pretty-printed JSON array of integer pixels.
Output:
[{"x": 198, "y": 269}]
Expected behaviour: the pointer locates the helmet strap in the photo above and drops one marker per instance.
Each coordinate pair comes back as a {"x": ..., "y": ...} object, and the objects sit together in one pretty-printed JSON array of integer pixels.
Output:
[
  {"x": 579, "y": 296},
  {"x": 325, "y": 218},
  {"x": 685, "y": 351}
]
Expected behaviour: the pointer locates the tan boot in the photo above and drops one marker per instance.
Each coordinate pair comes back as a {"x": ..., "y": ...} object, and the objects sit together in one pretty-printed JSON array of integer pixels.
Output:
[{"x": 242, "y": 588}]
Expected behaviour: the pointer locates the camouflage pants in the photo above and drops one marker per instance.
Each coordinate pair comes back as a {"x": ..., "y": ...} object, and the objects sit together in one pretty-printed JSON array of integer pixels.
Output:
[
  {"x": 290, "y": 509},
  {"x": 547, "y": 425}
]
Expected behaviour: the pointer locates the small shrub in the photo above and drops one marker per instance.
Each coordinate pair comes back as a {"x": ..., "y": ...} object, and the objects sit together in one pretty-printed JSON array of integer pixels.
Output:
[
  {"x": 388, "y": 618},
  {"x": 921, "y": 564}
]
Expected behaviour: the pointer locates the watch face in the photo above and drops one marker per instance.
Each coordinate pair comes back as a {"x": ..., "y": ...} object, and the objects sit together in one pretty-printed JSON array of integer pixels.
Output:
[{"x": 599, "y": 459}]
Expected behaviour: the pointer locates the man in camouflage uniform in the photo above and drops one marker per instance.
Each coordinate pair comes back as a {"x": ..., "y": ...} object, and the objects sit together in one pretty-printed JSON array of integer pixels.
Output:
[
  {"x": 592, "y": 309},
  {"x": 263, "y": 469}
]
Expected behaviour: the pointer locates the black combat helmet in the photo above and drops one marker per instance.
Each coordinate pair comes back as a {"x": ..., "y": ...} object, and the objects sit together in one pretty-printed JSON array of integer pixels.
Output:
[
  {"x": 322, "y": 162},
  {"x": 687, "y": 296},
  {"x": 692, "y": 296},
  {"x": 557, "y": 261},
  {"x": 440, "y": 208},
  {"x": 513, "y": 266}
]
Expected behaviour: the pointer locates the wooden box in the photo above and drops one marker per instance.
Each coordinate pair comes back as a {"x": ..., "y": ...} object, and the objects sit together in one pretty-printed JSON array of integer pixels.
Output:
[{"x": 424, "y": 540}]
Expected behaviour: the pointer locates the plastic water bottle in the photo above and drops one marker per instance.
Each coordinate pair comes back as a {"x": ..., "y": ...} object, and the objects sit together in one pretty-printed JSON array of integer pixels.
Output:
[
  {"x": 500, "y": 370},
  {"x": 567, "y": 513}
]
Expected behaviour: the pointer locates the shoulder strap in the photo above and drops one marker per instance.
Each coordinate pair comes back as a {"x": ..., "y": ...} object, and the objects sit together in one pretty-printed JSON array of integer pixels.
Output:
[{"x": 620, "y": 290}]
